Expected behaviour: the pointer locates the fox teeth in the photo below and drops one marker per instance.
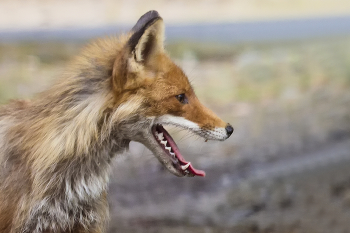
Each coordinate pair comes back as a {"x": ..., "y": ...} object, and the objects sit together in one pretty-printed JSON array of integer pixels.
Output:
[
  {"x": 168, "y": 148},
  {"x": 164, "y": 142},
  {"x": 160, "y": 136},
  {"x": 171, "y": 153},
  {"x": 184, "y": 167}
]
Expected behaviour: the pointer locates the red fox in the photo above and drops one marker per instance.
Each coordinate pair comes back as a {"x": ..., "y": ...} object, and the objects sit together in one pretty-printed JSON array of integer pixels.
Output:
[{"x": 56, "y": 150}]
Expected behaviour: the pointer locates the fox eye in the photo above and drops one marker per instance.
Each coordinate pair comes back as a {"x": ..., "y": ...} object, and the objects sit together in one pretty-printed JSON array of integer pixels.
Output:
[{"x": 182, "y": 98}]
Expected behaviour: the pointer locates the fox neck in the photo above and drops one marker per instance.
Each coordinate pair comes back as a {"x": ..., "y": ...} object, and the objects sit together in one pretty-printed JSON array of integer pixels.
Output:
[
  {"x": 77, "y": 144},
  {"x": 70, "y": 151}
]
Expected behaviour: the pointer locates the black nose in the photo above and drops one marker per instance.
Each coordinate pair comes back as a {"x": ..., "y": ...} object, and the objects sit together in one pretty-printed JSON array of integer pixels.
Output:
[{"x": 229, "y": 130}]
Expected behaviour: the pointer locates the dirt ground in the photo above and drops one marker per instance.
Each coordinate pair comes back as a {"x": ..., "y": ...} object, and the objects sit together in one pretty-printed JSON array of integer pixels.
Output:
[{"x": 290, "y": 195}]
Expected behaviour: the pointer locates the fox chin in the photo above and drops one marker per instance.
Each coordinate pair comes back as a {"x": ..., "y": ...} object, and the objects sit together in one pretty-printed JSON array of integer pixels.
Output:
[{"x": 56, "y": 150}]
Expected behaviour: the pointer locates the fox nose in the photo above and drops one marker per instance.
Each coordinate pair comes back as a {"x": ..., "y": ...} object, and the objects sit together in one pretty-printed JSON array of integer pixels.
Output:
[{"x": 229, "y": 130}]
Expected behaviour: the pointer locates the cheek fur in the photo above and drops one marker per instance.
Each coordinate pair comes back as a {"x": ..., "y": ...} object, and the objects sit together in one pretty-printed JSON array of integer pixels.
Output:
[
  {"x": 166, "y": 106},
  {"x": 204, "y": 117}
]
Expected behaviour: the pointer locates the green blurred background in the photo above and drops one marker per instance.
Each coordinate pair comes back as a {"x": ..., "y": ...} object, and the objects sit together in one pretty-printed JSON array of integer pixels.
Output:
[{"x": 278, "y": 71}]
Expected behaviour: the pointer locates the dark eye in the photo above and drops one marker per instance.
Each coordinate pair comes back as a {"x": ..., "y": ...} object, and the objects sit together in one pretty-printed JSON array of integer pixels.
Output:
[{"x": 182, "y": 98}]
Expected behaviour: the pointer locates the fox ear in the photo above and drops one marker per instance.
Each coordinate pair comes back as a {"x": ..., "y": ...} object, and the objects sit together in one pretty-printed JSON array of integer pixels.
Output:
[{"x": 147, "y": 38}]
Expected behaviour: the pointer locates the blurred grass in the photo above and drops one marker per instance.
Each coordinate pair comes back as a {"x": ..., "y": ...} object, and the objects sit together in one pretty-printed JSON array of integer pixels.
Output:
[
  {"x": 249, "y": 72},
  {"x": 27, "y": 68},
  {"x": 260, "y": 72}
]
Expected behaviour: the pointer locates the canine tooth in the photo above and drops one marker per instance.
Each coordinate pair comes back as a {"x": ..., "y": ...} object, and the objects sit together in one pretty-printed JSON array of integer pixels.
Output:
[
  {"x": 171, "y": 153},
  {"x": 168, "y": 148},
  {"x": 184, "y": 167},
  {"x": 164, "y": 142},
  {"x": 160, "y": 136}
]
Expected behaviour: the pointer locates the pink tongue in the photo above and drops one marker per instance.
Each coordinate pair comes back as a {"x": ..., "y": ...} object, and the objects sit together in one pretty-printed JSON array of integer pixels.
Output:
[
  {"x": 182, "y": 160},
  {"x": 178, "y": 155}
]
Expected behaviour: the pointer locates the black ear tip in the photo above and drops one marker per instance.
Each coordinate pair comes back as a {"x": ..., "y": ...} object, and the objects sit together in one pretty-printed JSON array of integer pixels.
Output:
[
  {"x": 152, "y": 14},
  {"x": 145, "y": 19},
  {"x": 142, "y": 24}
]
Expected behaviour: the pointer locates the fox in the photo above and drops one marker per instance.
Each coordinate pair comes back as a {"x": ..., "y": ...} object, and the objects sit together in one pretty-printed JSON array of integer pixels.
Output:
[{"x": 56, "y": 149}]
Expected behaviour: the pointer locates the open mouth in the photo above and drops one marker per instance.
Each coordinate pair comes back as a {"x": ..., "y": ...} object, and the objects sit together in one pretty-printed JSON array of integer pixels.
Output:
[{"x": 167, "y": 143}]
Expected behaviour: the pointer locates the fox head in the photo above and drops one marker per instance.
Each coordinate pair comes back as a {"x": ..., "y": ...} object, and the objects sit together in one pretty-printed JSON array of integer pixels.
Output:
[{"x": 144, "y": 73}]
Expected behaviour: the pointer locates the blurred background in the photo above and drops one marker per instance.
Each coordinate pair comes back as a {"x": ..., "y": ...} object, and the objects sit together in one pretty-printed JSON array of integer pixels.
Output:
[{"x": 277, "y": 70}]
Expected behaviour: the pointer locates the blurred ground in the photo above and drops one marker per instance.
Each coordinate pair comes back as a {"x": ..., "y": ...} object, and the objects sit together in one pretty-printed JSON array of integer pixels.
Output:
[{"x": 307, "y": 193}]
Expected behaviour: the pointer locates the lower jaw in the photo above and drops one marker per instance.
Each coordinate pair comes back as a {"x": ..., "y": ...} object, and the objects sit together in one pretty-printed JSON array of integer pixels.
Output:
[{"x": 176, "y": 164}]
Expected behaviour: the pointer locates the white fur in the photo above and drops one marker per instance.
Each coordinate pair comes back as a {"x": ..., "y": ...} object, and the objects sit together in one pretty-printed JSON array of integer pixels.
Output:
[
  {"x": 177, "y": 121},
  {"x": 215, "y": 134},
  {"x": 5, "y": 124},
  {"x": 86, "y": 188}
]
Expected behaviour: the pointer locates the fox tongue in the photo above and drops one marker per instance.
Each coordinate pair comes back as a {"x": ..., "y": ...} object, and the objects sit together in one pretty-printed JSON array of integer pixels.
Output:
[
  {"x": 178, "y": 155},
  {"x": 190, "y": 167}
]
